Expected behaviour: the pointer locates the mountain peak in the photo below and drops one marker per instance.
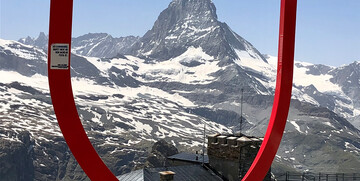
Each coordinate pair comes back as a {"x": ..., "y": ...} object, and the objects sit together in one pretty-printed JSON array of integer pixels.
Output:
[
  {"x": 184, "y": 8},
  {"x": 191, "y": 23},
  {"x": 185, "y": 15},
  {"x": 27, "y": 41},
  {"x": 41, "y": 41},
  {"x": 42, "y": 36}
]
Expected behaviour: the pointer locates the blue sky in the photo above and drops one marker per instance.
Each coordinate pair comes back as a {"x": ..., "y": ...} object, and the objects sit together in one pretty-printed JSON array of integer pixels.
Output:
[{"x": 328, "y": 31}]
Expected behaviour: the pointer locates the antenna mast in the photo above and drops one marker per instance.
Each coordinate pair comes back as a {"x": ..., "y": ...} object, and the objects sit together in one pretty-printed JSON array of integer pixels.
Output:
[
  {"x": 203, "y": 149},
  {"x": 241, "y": 109}
]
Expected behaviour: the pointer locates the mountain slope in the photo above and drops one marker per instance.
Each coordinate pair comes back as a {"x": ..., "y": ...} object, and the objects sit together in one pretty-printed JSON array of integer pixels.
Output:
[
  {"x": 91, "y": 44},
  {"x": 101, "y": 45},
  {"x": 27, "y": 60},
  {"x": 121, "y": 121}
]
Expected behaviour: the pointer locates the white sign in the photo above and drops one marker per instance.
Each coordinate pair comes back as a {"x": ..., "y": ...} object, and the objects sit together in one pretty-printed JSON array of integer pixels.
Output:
[{"x": 59, "y": 56}]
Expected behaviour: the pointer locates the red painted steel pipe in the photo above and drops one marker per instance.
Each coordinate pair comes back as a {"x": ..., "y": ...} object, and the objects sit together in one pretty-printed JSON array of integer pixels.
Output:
[
  {"x": 62, "y": 96},
  {"x": 279, "y": 113}
]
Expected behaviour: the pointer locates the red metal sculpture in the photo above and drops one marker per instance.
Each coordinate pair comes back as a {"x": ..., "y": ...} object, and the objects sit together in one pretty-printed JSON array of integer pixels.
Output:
[
  {"x": 279, "y": 113},
  {"x": 64, "y": 105},
  {"x": 62, "y": 95}
]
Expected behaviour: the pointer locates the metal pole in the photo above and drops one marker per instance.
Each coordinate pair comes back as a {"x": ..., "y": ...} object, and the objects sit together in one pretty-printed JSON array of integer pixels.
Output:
[
  {"x": 241, "y": 110},
  {"x": 203, "y": 151}
]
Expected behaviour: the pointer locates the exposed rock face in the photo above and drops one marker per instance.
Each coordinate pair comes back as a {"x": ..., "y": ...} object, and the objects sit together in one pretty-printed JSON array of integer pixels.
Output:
[
  {"x": 159, "y": 153},
  {"x": 15, "y": 56},
  {"x": 187, "y": 24},
  {"x": 16, "y": 158},
  {"x": 41, "y": 41},
  {"x": 101, "y": 45},
  {"x": 92, "y": 44}
]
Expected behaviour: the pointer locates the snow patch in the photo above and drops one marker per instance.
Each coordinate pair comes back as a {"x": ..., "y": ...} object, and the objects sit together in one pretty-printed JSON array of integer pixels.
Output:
[
  {"x": 249, "y": 59},
  {"x": 329, "y": 124},
  {"x": 321, "y": 82},
  {"x": 18, "y": 49},
  {"x": 36, "y": 81},
  {"x": 174, "y": 70},
  {"x": 297, "y": 127}
]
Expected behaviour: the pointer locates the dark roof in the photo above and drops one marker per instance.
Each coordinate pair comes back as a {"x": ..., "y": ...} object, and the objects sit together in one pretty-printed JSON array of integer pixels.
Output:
[
  {"x": 190, "y": 157},
  {"x": 182, "y": 173},
  {"x": 137, "y": 175}
]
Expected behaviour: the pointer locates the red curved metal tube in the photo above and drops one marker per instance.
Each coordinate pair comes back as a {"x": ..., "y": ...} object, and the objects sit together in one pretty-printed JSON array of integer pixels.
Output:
[
  {"x": 62, "y": 96},
  {"x": 279, "y": 113},
  {"x": 73, "y": 131}
]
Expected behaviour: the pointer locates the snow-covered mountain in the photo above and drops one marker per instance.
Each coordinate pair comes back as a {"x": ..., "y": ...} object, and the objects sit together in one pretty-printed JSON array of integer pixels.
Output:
[
  {"x": 186, "y": 24},
  {"x": 187, "y": 71},
  {"x": 41, "y": 41},
  {"x": 334, "y": 88},
  {"x": 91, "y": 44},
  {"x": 119, "y": 113},
  {"x": 101, "y": 45}
]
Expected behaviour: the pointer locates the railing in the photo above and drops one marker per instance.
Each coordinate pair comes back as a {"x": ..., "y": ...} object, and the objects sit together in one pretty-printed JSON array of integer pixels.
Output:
[{"x": 288, "y": 176}]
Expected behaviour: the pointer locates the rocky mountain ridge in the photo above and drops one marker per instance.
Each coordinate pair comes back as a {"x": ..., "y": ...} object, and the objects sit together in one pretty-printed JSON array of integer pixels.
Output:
[
  {"x": 91, "y": 44},
  {"x": 186, "y": 24}
]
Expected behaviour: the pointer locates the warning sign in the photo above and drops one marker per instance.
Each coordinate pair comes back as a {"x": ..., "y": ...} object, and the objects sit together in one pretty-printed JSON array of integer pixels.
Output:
[{"x": 59, "y": 56}]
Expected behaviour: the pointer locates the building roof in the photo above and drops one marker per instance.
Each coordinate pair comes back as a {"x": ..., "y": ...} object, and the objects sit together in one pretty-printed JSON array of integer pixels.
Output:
[
  {"x": 137, "y": 175},
  {"x": 189, "y": 157},
  {"x": 187, "y": 172}
]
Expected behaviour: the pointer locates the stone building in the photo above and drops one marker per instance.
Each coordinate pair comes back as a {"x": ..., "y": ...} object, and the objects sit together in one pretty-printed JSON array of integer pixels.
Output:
[{"x": 231, "y": 156}]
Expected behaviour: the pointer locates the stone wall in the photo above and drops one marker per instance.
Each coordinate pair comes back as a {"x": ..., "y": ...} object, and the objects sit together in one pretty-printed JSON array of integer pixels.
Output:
[{"x": 231, "y": 155}]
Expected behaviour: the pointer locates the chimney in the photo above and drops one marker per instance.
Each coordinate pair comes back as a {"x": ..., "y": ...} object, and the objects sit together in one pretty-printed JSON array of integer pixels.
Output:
[{"x": 167, "y": 176}]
